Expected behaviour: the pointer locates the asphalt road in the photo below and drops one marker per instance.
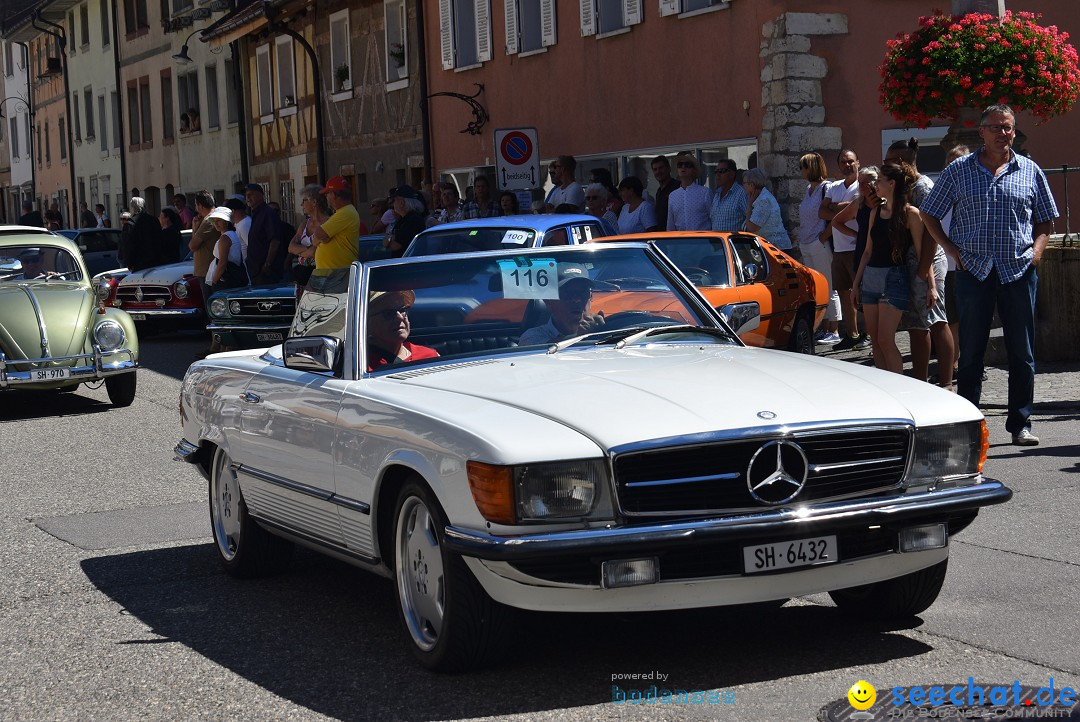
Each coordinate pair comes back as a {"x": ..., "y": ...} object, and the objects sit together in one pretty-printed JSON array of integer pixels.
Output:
[{"x": 113, "y": 606}]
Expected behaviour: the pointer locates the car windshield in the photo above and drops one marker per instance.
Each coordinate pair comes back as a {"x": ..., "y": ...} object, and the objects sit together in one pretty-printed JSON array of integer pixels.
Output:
[
  {"x": 704, "y": 260},
  {"x": 547, "y": 299},
  {"x": 464, "y": 240},
  {"x": 37, "y": 263}
]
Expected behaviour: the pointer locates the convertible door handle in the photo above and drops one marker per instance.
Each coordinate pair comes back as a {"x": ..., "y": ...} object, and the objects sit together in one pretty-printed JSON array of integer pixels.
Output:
[{"x": 250, "y": 398}]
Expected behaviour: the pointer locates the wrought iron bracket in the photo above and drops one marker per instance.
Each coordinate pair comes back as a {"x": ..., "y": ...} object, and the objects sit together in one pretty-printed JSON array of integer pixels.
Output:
[{"x": 480, "y": 114}]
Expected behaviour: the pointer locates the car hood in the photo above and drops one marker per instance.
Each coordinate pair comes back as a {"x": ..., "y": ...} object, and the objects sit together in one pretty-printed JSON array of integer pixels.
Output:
[
  {"x": 275, "y": 290},
  {"x": 159, "y": 275},
  {"x": 618, "y": 397},
  {"x": 64, "y": 308}
]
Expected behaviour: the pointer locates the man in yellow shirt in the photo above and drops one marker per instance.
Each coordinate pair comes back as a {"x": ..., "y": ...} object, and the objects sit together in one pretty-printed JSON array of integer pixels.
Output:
[{"x": 337, "y": 240}]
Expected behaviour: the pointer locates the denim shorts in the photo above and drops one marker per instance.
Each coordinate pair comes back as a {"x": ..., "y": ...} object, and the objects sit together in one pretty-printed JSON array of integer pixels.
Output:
[{"x": 887, "y": 284}]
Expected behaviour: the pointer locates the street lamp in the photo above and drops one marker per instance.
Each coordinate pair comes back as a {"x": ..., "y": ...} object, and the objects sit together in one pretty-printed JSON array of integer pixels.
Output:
[
  {"x": 182, "y": 57},
  {"x": 24, "y": 109}
]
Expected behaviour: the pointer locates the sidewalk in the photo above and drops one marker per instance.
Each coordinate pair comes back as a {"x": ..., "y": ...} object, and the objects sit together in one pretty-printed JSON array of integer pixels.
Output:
[{"x": 1057, "y": 384}]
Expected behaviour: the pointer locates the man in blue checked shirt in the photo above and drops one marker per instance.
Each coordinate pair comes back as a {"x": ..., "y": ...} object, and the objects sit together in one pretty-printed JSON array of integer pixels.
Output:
[{"x": 1003, "y": 215}]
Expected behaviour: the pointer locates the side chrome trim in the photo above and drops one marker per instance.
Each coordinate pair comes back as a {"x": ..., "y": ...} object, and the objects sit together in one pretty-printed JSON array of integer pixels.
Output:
[
  {"x": 281, "y": 481},
  {"x": 305, "y": 489},
  {"x": 810, "y": 520},
  {"x": 353, "y": 504}
]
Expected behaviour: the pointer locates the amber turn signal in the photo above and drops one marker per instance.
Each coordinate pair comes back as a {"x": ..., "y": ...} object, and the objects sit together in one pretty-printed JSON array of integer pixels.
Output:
[
  {"x": 493, "y": 491},
  {"x": 984, "y": 445}
]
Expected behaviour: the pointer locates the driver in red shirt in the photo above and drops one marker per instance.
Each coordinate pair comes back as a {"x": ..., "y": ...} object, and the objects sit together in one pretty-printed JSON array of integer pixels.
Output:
[{"x": 388, "y": 330}]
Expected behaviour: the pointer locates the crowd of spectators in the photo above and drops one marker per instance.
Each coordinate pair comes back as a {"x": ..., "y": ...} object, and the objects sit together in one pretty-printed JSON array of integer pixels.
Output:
[{"x": 880, "y": 236}]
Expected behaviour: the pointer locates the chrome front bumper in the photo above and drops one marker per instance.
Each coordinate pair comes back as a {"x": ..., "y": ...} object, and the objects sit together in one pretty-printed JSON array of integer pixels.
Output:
[
  {"x": 915, "y": 507},
  {"x": 96, "y": 365},
  {"x": 233, "y": 328},
  {"x": 164, "y": 312},
  {"x": 186, "y": 451}
]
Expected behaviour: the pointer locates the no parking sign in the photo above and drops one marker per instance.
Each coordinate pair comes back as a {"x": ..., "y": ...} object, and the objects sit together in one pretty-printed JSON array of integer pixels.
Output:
[{"x": 517, "y": 161}]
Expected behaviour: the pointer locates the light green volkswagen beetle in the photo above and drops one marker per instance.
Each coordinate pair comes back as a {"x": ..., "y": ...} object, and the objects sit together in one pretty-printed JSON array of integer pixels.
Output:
[{"x": 53, "y": 332}]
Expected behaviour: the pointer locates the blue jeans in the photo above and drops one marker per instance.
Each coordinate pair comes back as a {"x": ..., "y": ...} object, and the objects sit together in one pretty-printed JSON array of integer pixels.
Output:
[{"x": 1015, "y": 303}]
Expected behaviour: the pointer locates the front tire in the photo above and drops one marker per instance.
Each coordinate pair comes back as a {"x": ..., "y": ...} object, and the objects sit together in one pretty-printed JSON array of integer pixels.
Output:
[
  {"x": 121, "y": 389},
  {"x": 452, "y": 623},
  {"x": 244, "y": 547},
  {"x": 899, "y": 598},
  {"x": 801, "y": 339}
]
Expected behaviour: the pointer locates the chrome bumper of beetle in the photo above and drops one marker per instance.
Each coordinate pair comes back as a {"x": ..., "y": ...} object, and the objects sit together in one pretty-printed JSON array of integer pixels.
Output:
[
  {"x": 812, "y": 519},
  {"x": 96, "y": 365}
]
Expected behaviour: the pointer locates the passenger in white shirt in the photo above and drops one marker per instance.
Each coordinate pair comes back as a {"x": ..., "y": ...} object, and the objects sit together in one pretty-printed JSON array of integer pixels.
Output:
[
  {"x": 569, "y": 191},
  {"x": 688, "y": 205}
]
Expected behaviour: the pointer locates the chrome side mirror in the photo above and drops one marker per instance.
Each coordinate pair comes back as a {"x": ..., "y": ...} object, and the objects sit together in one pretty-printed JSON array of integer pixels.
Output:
[
  {"x": 319, "y": 354},
  {"x": 742, "y": 317}
]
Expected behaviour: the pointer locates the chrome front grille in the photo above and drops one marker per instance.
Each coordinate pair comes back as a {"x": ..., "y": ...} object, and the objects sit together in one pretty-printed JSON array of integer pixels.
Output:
[
  {"x": 143, "y": 294},
  {"x": 711, "y": 477},
  {"x": 264, "y": 306}
]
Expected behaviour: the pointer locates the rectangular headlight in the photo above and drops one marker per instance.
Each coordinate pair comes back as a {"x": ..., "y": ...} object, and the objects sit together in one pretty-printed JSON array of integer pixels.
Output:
[
  {"x": 563, "y": 490},
  {"x": 948, "y": 451}
]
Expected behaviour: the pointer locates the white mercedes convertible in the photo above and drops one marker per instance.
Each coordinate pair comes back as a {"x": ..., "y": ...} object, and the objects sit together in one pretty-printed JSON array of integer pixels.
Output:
[{"x": 574, "y": 429}]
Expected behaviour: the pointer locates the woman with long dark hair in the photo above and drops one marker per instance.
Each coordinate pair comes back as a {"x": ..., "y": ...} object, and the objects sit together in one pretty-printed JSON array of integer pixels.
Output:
[
  {"x": 882, "y": 283},
  {"x": 925, "y": 323}
]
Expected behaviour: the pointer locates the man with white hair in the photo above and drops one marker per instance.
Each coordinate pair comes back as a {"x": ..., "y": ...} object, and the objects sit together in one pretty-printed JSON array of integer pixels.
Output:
[{"x": 139, "y": 243}]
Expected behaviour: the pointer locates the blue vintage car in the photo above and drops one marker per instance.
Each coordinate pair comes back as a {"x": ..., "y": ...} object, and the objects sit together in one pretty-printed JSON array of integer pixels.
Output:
[
  {"x": 502, "y": 232},
  {"x": 257, "y": 316}
]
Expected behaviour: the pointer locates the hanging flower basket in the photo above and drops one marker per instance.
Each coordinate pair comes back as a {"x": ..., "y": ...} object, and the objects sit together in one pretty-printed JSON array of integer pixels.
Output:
[{"x": 976, "y": 60}]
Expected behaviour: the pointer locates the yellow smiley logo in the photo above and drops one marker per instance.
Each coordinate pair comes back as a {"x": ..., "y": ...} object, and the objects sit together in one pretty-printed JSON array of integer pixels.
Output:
[{"x": 862, "y": 695}]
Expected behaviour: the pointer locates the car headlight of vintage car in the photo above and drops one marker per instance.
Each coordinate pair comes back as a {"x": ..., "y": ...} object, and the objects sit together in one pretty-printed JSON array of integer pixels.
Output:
[
  {"x": 109, "y": 335},
  {"x": 234, "y": 307},
  {"x": 219, "y": 307},
  {"x": 180, "y": 289},
  {"x": 949, "y": 452},
  {"x": 556, "y": 491}
]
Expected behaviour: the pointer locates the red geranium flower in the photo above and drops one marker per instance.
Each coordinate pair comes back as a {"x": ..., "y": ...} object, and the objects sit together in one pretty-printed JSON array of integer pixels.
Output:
[{"x": 954, "y": 50}]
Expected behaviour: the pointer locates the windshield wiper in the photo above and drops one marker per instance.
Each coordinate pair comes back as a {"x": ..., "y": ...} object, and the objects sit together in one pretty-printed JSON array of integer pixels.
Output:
[
  {"x": 706, "y": 330},
  {"x": 609, "y": 336},
  {"x": 624, "y": 336}
]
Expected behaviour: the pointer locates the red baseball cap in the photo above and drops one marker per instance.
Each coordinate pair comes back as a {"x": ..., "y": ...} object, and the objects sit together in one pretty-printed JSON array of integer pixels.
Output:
[{"x": 337, "y": 183}]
